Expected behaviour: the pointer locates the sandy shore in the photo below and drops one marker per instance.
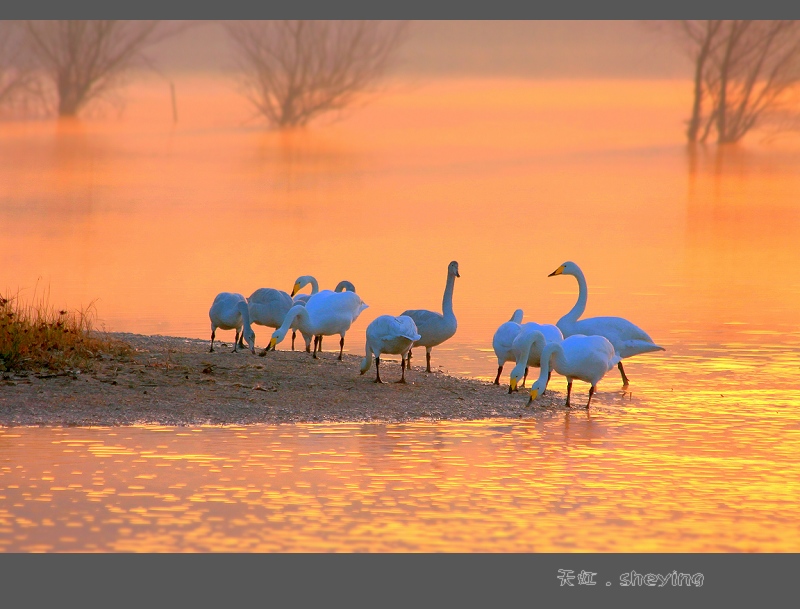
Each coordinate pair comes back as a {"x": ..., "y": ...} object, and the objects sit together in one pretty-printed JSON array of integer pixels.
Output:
[{"x": 176, "y": 381}]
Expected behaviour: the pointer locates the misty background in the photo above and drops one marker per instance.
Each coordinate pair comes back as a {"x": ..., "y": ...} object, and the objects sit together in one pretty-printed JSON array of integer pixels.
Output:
[{"x": 527, "y": 49}]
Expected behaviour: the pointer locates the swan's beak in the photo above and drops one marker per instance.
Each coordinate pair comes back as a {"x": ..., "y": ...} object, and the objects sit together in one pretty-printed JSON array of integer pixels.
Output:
[
  {"x": 295, "y": 289},
  {"x": 513, "y": 386},
  {"x": 253, "y": 349},
  {"x": 534, "y": 393},
  {"x": 272, "y": 343},
  {"x": 558, "y": 271}
]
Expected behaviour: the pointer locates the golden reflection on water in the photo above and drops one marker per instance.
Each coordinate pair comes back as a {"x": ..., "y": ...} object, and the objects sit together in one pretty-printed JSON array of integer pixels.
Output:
[
  {"x": 511, "y": 178},
  {"x": 671, "y": 468}
]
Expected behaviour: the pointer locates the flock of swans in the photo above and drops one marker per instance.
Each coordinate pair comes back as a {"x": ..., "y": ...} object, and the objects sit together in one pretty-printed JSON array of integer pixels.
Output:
[{"x": 583, "y": 349}]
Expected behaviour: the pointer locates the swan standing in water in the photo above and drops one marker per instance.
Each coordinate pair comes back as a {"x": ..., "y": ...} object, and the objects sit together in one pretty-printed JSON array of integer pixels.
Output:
[
  {"x": 435, "y": 328},
  {"x": 299, "y": 284},
  {"x": 503, "y": 339},
  {"x": 389, "y": 334},
  {"x": 229, "y": 311},
  {"x": 526, "y": 350},
  {"x": 325, "y": 313},
  {"x": 627, "y": 338},
  {"x": 586, "y": 358}
]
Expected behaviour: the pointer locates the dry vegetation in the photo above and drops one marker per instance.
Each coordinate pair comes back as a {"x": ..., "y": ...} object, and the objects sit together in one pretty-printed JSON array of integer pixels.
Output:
[{"x": 39, "y": 338}]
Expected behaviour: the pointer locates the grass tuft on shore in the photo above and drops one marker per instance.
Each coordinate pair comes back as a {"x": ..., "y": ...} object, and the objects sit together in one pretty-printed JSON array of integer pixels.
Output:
[{"x": 35, "y": 336}]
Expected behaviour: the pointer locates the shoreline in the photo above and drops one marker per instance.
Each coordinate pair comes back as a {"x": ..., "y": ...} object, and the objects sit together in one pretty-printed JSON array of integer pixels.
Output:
[{"x": 177, "y": 382}]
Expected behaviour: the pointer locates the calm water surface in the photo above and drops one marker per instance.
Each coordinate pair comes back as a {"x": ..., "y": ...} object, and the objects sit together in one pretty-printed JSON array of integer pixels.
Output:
[{"x": 149, "y": 220}]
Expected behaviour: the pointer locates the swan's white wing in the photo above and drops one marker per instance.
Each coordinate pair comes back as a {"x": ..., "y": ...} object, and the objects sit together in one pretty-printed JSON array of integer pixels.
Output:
[
  {"x": 333, "y": 312},
  {"x": 503, "y": 340},
  {"x": 616, "y": 329},
  {"x": 588, "y": 358},
  {"x": 406, "y": 327},
  {"x": 224, "y": 312},
  {"x": 432, "y": 327}
]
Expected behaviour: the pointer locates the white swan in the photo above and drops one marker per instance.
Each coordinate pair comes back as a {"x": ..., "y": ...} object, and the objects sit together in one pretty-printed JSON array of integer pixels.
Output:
[
  {"x": 389, "y": 334},
  {"x": 586, "y": 358},
  {"x": 325, "y": 313},
  {"x": 526, "y": 350},
  {"x": 503, "y": 339},
  {"x": 299, "y": 284},
  {"x": 268, "y": 307},
  {"x": 627, "y": 338},
  {"x": 229, "y": 311},
  {"x": 435, "y": 328}
]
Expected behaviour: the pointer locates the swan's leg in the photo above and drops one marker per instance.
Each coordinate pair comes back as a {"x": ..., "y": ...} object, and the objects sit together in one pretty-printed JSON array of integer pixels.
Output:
[
  {"x": 549, "y": 374},
  {"x": 377, "y": 370},
  {"x": 241, "y": 340},
  {"x": 622, "y": 372},
  {"x": 403, "y": 368},
  {"x": 213, "y": 333},
  {"x": 341, "y": 346},
  {"x": 499, "y": 372},
  {"x": 525, "y": 377},
  {"x": 428, "y": 359},
  {"x": 320, "y": 343},
  {"x": 236, "y": 340},
  {"x": 569, "y": 390},
  {"x": 294, "y": 333},
  {"x": 316, "y": 340},
  {"x": 591, "y": 393},
  {"x": 409, "y": 360}
]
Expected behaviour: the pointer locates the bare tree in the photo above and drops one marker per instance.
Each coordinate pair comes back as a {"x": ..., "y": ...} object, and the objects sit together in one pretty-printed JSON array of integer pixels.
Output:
[
  {"x": 744, "y": 69},
  {"x": 18, "y": 83},
  {"x": 294, "y": 71},
  {"x": 85, "y": 59}
]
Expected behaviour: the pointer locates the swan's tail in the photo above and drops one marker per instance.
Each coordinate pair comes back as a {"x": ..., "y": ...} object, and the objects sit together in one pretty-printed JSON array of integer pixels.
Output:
[{"x": 635, "y": 347}]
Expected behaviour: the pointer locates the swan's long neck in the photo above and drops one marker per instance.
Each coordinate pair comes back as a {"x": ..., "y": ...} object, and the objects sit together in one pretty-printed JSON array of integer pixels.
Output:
[
  {"x": 550, "y": 349},
  {"x": 447, "y": 299},
  {"x": 294, "y": 312},
  {"x": 583, "y": 295},
  {"x": 314, "y": 285},
  {"x": 245, "y": 311},
  {"x": 366, "y": 363},
  {"x": 517, "y": 316},
  {"x": 526, "y": 344}
]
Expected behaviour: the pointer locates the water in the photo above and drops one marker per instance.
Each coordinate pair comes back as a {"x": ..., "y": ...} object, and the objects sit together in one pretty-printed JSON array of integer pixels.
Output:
[{"x": 149, "y": 220}]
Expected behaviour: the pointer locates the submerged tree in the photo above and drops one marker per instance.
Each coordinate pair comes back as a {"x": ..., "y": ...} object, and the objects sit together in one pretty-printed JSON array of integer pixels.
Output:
[
  {"x": 744, "y": 70},
  {"x": 85, "y": 59},
  {"x": 18, "y": 84},
  {"x": 293, "y": 71}
]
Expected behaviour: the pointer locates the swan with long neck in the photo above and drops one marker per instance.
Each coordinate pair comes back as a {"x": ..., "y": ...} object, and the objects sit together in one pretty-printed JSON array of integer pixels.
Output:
[
  {"x": 435, "y": 328},
  {"x": 389, "y": 334},
  {"x": 627, "y": 338},
  {"x": 325, "y": 313},
  {"x": 586, "y": 358},
  {"x": 503, "y": 339},
  {"x": 230, "y": 311},
  {"x": 527, "y": 347},
  {"x": 299, "y": 284}
]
